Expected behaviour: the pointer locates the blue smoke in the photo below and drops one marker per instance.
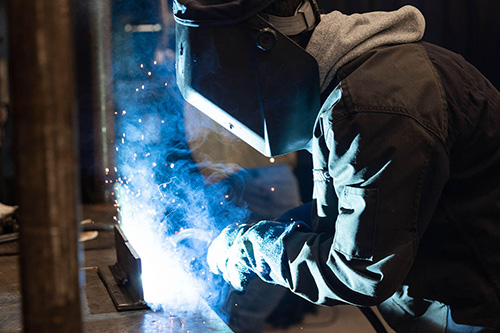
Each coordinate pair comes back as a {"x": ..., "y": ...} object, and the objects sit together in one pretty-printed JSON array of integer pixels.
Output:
[{"x": 166, "y": 209}]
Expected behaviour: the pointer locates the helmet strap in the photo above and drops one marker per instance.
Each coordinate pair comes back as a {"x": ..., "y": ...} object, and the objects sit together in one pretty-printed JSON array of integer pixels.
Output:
[{"x": 304, "y": 19}]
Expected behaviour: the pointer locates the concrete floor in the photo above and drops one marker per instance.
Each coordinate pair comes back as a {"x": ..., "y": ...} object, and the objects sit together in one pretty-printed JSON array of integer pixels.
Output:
[{"x": 100, "y": 315}]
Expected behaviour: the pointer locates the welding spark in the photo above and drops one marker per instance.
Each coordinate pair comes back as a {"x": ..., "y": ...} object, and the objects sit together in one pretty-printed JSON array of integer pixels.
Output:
[
  {"x": 164, "y": 185},
  {"x": 153, "y": 212}
]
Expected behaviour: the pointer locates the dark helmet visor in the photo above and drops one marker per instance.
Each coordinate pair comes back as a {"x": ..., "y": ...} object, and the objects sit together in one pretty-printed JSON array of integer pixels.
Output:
[{"x": 252, "y": 80}]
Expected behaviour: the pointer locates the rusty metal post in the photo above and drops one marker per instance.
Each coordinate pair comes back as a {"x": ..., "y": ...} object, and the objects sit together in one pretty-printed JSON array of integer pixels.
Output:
[
  {"x": 102, "y": 99},
  {"x": 43, "y": 102}
]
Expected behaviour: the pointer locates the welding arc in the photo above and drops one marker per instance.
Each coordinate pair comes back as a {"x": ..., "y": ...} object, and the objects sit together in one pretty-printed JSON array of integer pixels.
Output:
[
  {"x": 192, "y": 245},
  {"x": 191, "y": 234}
]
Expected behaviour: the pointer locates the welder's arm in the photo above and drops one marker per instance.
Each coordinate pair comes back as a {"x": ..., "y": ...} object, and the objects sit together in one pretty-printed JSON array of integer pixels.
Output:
[
  {"x": 388, "y": 172},
  {"x": 387, "y": 179}
]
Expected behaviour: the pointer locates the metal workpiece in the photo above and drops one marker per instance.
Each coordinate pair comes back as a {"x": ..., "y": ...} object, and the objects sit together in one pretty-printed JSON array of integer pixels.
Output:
[
  {"x": 43, "y": 103},
  {"x": 100, "y": 311},
  {"x": 123, "y": 279}
]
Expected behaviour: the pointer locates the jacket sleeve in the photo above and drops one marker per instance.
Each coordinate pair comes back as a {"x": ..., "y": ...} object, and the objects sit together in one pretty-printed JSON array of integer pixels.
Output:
[{"x": 387, "y": 172}]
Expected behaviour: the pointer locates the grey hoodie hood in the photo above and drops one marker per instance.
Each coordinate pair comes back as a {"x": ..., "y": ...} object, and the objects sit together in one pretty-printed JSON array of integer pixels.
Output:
[{"x": 340, "y": 38}]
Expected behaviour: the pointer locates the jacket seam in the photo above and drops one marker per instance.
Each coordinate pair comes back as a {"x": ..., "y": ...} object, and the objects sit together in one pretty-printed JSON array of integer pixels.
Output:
[
  {"x": 387, "y": 110},
  {"x": 442, "y": 94},
  {"x": 441, "y": 132}
]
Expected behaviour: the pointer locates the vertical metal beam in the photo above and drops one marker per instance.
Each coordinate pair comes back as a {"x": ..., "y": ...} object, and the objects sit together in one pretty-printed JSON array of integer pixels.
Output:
[
  {"x": 43, "y": 101},
  {"x": 102, "y": 101}
]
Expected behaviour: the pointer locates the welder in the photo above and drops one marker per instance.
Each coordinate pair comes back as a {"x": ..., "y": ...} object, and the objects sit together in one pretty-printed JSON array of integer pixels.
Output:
[{"x": 405, "y": 143}]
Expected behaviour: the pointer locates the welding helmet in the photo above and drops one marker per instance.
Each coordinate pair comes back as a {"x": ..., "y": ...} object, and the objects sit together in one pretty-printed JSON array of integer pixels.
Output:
[{"x": 237, "y": 65}]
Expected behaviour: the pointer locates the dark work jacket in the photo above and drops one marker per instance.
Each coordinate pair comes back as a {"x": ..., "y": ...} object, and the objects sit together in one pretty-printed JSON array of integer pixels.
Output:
[{"x": 406, "y": 155}]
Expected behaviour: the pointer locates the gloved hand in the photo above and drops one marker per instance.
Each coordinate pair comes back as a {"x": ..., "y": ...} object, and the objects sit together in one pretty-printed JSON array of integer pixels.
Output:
[
  {"x": 239, "y": 253},
  {"x": 223, "y": 257}
]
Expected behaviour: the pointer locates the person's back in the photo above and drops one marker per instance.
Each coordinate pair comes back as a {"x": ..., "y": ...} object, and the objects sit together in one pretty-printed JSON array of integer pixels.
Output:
[
  {"x": 459, "y": 255},
  {"x": 457, "y": 225}
]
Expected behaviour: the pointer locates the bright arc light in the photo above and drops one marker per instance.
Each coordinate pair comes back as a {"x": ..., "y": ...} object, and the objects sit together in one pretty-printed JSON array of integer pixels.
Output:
[{"x": 165, "y": 281}]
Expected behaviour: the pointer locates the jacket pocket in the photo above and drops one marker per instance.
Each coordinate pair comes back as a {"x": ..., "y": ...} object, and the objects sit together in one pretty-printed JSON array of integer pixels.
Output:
[{"x": 356, "y": 222}]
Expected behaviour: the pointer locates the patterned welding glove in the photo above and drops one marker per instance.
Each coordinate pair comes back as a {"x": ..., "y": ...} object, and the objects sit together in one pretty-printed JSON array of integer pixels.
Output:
[
  {"x": 240, "y": 253},
  {"x": 223, "y": 257}
]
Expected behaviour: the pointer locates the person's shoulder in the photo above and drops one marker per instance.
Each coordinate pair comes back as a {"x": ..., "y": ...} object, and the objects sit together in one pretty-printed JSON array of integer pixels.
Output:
[
  {"x": 399, "y": 79},
  {"x": 393, "y": 64},
  {"x": 458, "y": 75}
]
